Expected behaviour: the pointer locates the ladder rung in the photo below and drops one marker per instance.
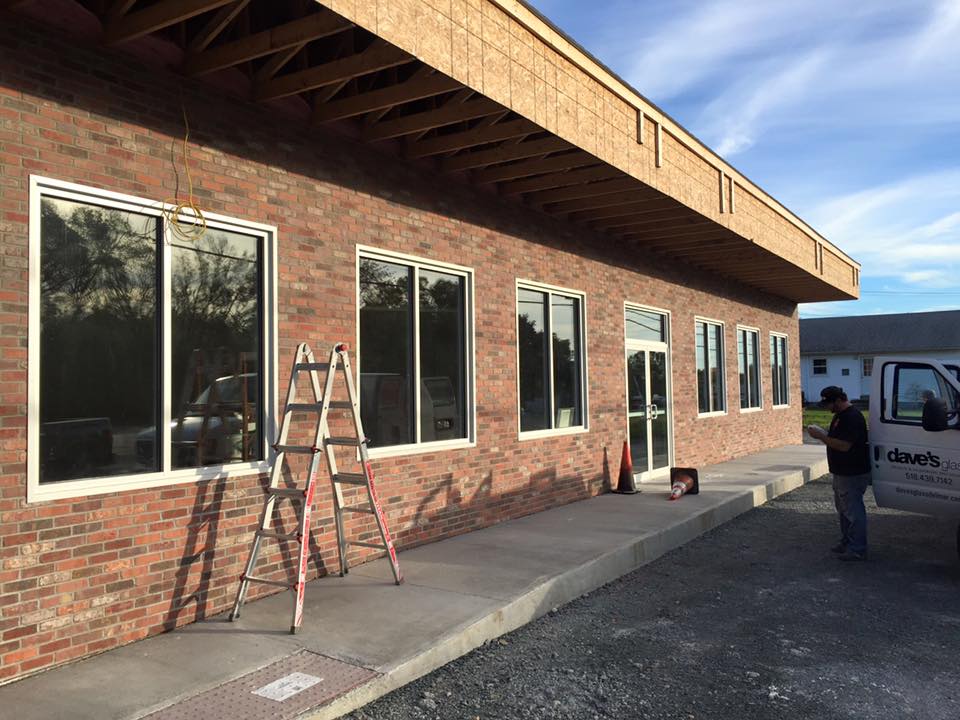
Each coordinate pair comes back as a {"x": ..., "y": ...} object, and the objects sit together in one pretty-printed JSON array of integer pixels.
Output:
[
  {"x": 296, "y": 449},
  {"x": 346, "y": 441},
  {"x": 264, "y": 581},
  {"x": 358, "y": 508},
  {"x": 287, "y": 492},
  {"x": 278, "y": 535},
  {"x": 312, "y": 366},
  {"x": 360, "y": 543},
  {"x": 350, "y": 478},
  {"x": 304, "y": 407},
  {"x": 341, "y": 405}
]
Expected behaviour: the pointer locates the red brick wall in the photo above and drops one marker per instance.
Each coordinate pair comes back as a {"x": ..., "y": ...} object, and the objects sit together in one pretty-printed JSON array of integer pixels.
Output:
[{"x": 84, "y": 575}]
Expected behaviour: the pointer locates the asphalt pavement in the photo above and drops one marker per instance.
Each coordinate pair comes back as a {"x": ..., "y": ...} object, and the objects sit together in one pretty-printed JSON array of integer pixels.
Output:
[{"x": 755, "y": 619}]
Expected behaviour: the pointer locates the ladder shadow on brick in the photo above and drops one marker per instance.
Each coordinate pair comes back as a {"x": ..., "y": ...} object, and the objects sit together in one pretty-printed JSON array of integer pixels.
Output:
[{"x": 201, "y": 546}]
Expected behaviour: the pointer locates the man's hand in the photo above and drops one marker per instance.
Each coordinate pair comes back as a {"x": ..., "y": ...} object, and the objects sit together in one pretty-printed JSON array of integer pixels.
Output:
[{"x": 816, "y": 432}]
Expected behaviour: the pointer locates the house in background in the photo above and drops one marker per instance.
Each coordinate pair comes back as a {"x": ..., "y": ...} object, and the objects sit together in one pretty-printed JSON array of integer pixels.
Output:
[{"x": 840, "y": 350}]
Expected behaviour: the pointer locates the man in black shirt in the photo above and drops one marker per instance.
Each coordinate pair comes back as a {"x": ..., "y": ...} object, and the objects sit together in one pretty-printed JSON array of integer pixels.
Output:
[{"x": 848, "y": 458}]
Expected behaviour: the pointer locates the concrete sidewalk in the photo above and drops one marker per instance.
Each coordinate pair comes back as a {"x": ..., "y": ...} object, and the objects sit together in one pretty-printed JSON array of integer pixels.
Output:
[{"x": 457, "y": 594}]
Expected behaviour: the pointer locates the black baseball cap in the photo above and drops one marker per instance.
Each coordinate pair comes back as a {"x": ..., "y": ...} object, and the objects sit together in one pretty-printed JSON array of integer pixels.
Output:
[{"x": 831, "y": 394}]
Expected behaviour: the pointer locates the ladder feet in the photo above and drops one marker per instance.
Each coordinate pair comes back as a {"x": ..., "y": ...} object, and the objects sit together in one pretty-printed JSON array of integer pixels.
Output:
[{"x": 294, "y": 629}]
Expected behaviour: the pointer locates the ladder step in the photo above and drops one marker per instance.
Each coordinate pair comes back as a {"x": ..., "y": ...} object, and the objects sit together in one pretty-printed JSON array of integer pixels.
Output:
[
  {"x": 345, "y": 441},
  {"x": 321, "y": 366},
  {"x": 350, "y": 478},
  {"x": 296, "y": 449},
  {"x": 278, "y": 535},
  {"x": 358, "y": 508},
  {"x": 341, "y": 405},
  {"x": 287, "y": 492},
  {"x": 264, "y": 581},
  {"x": 304, "y": 407},
  {"x": 360, "y": 543}
]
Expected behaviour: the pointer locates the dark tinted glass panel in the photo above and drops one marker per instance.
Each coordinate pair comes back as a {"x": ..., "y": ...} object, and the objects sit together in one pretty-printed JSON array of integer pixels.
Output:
[
  {"x": 442, "y": 361},
  {"x": 742, "y": 366},
  {"x": 660, "y": 420},
  {"x": 715, "y": 359},
  {"x": 645, "y": 325},
  {"x": 637, "y": 382},
  {"x": 753, "y": 367},
  {"x": 215, "y": 354},
  {"x": 99, "y": 394},
  {"x": 566, "y": 361},
  {"x": 784, "y": 386},
  {"x": 386, "y": 352},
  {"x": 534, "y": 360},
  {"x": 703, "y": 383}
]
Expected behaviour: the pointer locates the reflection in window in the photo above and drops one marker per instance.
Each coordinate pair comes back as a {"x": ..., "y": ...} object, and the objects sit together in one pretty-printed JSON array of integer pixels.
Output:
[
  {"x": 551, "y": 373},
  {"x": 778, "y": 369},
  {"x": 917, "y": 385},
  {"x": 99, "y": 387},
  {"x": 392, "y": 293},
  {"x": 711, "y": 396},
  {"x": 645, "y": 325},
  {"x": 216, "y": 321},
  {"x": 748, "y": 353}
]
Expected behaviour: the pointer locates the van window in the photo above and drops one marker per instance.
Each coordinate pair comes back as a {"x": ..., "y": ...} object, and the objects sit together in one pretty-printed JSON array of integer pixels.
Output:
[{"x": 908, "y": 386}]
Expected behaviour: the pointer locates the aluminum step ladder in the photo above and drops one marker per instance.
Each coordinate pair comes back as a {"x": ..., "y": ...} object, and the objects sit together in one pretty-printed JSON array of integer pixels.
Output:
[{"x": 302, "y": 497}]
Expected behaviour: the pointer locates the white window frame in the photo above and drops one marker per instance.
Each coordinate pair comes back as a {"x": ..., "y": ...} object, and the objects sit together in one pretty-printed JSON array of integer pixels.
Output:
[
  {"x": 863, "y": 367},
  {"x": 41, "y": 187},
  {"x": 418, "y": 263},
  {"x": 723, "y": 375},
  {"x": 757, "y": 332},
  {"x": 813, "y": 366},
  {"x": 786, "y": 365},
  {"x": 584, "y": 389}
]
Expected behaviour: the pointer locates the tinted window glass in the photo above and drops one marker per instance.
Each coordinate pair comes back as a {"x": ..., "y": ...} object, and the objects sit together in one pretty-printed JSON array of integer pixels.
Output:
[
  {"x": 645, "y": 325},
  {"x": 99, "y": 389},
  {"x": 215, "y": 359},
  {"x": 534, "y": 368},
  {"x": 442, "y": 356},
  {"x": 386, "y": 352},
  {"x": 566, "y": 360}
]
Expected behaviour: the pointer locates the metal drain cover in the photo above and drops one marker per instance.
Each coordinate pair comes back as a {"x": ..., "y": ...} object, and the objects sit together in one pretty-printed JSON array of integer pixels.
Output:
[{"x": 279, "y": 691}]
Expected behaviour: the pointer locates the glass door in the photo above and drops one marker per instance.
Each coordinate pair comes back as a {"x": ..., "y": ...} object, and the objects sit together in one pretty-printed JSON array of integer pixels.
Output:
[{"x": 648, "y": 411}]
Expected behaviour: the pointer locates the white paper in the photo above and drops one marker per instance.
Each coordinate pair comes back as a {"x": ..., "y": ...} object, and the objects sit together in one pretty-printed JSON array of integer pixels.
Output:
[{"x": 287, "y": 686}]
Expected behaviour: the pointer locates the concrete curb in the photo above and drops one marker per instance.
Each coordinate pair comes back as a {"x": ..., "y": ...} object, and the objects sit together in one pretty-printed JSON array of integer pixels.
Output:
[{"x": 566, "y": 587}]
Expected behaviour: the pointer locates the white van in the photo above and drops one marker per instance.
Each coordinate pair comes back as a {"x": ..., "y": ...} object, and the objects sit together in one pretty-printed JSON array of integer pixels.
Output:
[{"x": 915, "y": 436}]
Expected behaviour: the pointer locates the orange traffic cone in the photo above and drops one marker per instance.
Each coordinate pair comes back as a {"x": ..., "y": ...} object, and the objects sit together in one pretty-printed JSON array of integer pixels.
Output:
[
  {"x": 683, "y": 481},
  {"x": 625, "y": 484}
]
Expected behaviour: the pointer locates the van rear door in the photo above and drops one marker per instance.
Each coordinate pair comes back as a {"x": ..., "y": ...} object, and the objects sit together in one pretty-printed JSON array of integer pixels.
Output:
[{"x": 914, "y": 468}]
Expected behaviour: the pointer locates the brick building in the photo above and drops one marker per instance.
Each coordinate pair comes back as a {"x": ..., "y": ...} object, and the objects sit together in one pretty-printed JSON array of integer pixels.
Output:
[{"x": 533, "y": 262}]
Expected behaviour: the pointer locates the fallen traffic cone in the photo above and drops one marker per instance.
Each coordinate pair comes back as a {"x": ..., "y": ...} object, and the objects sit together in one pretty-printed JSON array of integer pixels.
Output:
[
  {"x": 625, "y": 483},
  {"x": 683, "y": 481}
]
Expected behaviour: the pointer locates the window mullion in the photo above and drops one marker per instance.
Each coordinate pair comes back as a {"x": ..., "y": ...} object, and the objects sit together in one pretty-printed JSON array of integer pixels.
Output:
[
  {"x": 415, "y": 392},
  {"x": 166, "y": 333}
]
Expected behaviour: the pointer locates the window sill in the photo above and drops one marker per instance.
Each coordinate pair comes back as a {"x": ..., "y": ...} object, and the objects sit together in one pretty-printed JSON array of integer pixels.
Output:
[
  {"x": 421, "y": 449},
  {"x": 556, "y": 432},
  {"x": 718, "y": 413},
  {"x": 744, "y": 411},
  {"x": 780, "y": 407},
  {"x": 122, "y": 483}
]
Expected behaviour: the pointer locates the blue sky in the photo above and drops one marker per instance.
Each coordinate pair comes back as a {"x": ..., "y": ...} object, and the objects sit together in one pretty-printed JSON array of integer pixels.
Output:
[{"x": 847, "y": 113}]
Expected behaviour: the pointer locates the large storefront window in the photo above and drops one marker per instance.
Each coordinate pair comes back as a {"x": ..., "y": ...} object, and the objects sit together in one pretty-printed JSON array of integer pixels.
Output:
[
  {"x": 779, "y": 377},
  {"x": 550, "y": 346},
  {"x": 748, "y": 354},
  {"x": 414, "y": 333},
  {"x": 149, "y": 347},
  {"x": 711, "y": 393}
]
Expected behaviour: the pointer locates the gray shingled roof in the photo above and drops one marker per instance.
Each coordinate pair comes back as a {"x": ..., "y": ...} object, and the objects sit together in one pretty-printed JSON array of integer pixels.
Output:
[{"x": 904, "y": 332}]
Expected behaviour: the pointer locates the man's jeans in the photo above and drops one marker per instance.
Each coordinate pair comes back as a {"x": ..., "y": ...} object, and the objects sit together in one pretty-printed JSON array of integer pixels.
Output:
[{"x": 848, "y": 497}]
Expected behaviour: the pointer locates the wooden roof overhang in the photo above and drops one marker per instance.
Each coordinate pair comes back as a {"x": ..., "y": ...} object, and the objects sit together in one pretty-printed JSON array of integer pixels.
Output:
[{"x": 342, "y": 73}]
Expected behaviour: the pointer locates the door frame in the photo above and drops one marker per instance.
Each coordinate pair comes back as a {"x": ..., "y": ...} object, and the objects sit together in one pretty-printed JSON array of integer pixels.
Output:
[{"x": 666, "y": 347}]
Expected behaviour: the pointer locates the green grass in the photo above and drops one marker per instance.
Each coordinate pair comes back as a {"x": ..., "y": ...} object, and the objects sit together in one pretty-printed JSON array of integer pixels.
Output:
[{"x": 816, "y": 416}]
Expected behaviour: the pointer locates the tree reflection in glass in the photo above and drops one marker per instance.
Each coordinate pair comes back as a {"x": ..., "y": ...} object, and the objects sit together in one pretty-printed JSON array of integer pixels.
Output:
[
  {"x": 215, "y": 364},
  {"x": 99, "y": 334}
]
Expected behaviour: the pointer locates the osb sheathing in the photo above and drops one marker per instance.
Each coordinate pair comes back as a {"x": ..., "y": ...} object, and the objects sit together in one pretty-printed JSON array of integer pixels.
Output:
[{"x": 501, "y": 49}]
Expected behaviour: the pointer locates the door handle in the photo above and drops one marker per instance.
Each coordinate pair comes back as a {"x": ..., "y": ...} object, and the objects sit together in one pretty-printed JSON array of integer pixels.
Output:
[{"x": 654, "y": 412}]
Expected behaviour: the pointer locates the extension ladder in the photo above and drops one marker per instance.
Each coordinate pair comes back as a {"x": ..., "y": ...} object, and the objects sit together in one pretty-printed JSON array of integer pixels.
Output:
[{"x": 324, "y": 444}]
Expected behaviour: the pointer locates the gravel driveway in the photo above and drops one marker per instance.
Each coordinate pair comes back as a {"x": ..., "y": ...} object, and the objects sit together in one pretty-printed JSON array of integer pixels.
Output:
[{"x": 752, "y": 620}]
